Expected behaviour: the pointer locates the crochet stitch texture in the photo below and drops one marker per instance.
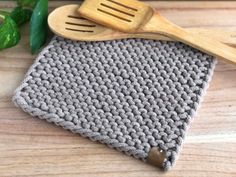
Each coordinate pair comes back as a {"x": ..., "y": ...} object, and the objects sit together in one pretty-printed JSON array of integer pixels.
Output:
[{"x": 131, "y": 94}]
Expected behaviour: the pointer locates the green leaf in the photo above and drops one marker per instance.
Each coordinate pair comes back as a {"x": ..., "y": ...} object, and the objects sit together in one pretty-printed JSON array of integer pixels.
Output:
[
  {"x": 27, "y": 3},
  {"x": 20, "y": 15},
  {"x": 38, "y": 25},
  {"x": 9, "y": 32}
]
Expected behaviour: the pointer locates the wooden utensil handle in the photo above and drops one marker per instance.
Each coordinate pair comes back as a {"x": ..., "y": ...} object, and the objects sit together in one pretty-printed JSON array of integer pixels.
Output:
[
  {"x": 224, "y": 36},
  {"x": 160, "y": 25}
]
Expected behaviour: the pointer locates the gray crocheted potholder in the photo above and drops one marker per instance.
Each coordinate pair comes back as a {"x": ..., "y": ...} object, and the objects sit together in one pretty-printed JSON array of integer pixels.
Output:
[{"x": 135, "y": 95}]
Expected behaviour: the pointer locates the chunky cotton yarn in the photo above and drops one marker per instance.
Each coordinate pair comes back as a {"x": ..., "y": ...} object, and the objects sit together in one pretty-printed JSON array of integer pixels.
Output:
[{"x": 131, "y": 94}]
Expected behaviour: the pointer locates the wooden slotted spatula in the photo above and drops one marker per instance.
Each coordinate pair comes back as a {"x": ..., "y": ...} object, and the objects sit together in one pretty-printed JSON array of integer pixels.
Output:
[
  {"x": 132, "y": 16},
  {"x": 66, "y": 22}
]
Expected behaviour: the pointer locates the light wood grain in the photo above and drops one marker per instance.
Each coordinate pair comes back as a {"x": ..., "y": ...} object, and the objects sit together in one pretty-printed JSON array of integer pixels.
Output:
[
  {"x": 133, "y": 16},
  {"x": 82, "y": 29},
  {"x": 32, "y": 147}
]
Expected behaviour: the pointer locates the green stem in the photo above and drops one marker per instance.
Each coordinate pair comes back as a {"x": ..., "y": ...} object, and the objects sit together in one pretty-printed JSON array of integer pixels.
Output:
[
  {"x": 4, "y": 13},
  {"x": 2, "y": 17}
]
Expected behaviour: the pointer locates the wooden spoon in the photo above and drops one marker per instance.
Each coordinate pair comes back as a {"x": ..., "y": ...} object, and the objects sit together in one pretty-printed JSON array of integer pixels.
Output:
[
  {"x": 66, "y": 22},
  {"x": 132, "y": 16}
]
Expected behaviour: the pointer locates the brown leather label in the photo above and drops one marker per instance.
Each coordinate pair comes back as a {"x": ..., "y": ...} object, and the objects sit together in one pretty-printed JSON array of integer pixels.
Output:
[{"x": 156, "y": 157}]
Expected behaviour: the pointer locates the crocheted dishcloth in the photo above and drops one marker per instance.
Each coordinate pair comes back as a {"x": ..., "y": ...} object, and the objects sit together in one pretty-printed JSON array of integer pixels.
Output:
[{"x": 131, "y": 94}]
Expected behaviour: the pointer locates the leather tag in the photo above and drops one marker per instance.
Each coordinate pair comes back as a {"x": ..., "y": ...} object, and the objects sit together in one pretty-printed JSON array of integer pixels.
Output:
[{"x": 156, "y": 157}]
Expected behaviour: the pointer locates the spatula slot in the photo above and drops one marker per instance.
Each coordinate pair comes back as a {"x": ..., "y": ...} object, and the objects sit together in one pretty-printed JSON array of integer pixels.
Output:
[
  {"x": 123, "y": 15},
  {"x": 84, "y": 31},
  {"x": 79, "y": 24},
  {"x": 118, "y": 10},
  {"x": 113, "y": 15},
  {"x": 125, "y": 6},
  {"x": 76, "y": 17}
]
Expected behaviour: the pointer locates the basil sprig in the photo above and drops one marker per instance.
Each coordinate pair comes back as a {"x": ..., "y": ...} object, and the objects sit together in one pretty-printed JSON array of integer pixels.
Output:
[
  {"x": 34, "y": 10},
  {"x": 27, "y": 3},
  {"x": 9, "y": 31},
  {"x": 20, "y": 15}
]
